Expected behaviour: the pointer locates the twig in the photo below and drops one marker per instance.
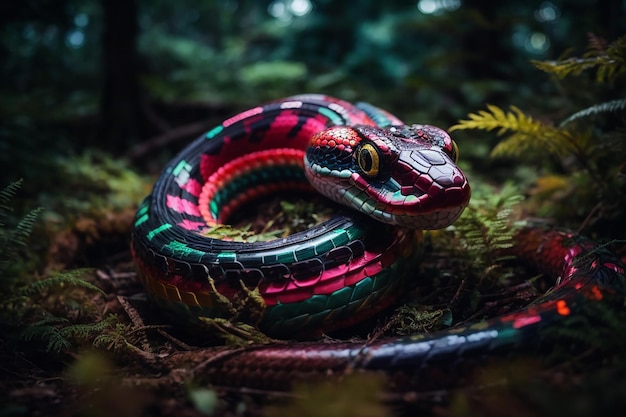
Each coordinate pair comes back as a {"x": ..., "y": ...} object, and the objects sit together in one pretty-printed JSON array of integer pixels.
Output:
[
  {"x": 137, "y": 321},
  {"x": 175, "y": 340}
]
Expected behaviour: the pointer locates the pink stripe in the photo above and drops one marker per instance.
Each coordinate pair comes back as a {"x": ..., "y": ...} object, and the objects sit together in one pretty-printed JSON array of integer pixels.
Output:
[
  {"x": 193, "y": 187},
  {"x": 189, "y": 225},
  {"x": 191, "y": 208},
  {"x": 241, "y": 116},
  {"x": 182, "y": 206}
]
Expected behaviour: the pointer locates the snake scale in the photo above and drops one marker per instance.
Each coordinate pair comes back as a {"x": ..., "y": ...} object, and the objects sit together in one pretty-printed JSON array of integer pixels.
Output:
[{"x": 348, "y": 268}]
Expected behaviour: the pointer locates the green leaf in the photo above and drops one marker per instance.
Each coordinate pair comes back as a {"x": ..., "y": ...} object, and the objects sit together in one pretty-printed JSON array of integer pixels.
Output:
[
  {"x": 609, "y": 62},
  {"x": 525, "y": 133}
]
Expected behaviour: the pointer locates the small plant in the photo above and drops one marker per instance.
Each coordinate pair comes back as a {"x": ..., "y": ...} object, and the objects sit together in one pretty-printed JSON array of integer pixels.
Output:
[
  {"x": 486, "y": 229},
  {"x": 59, "y": 333},
  {"x": 582, "y": 157},
  {"x": 609, "y": 60},
  {"x": 39, "y": 310},
  {"x": 12, "y": 240}
]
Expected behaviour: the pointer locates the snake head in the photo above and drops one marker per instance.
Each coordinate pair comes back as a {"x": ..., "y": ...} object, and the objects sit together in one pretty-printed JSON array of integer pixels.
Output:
[{"x": 403, "y": 175}]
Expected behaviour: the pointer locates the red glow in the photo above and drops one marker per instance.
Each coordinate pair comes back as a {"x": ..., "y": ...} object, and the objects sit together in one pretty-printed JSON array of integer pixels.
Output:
[
  {"x": 525, "y": 321},
  {"x": 562, "y": 308},
  {"x": 596, "y": 293}
]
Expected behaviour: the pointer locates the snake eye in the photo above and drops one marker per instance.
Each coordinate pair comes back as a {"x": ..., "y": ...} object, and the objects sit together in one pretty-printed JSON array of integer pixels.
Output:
[
  {"x": 368, "y": 159},
  {"x": 454, "y": 152}
]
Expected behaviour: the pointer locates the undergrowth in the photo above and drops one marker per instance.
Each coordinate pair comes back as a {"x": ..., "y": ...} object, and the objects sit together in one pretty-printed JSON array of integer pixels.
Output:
[
  {"x": 581, "y": 183},
  {"x": 487, "y": 228},
  {"x": 580, "y": 159},
  {"x": 13, "y": 239},
  {"x": 52, "y": 313}
]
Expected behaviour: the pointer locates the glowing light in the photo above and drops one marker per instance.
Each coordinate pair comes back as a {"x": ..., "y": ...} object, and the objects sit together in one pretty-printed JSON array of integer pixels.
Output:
[
  {"x": 562, "y": 308},
  {"x": 81, "y": 20},
  {"x": 547, "y": 12},
  {"x": 437, "y": 6},
  {"x": 596, "y": 293},
  {"x": 427, "y": 6},
  {"x": 300, "y": 7},
  {"x": 278, "y": 9},
  {"x": 286, "y": 10},
  {"x": 537, "y": 43},
  {"x": 75, "y": 39}
]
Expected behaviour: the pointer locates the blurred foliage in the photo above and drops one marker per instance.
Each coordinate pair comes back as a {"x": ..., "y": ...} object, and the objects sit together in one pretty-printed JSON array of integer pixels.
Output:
[
  {"x": 428, "y": 61},
  {"x": 583, "y": 156},
  {"x": 487, "y": 228},
  {"x": 429, "y": 65},
  {"x": 608, "y": 60},
  {"x": 39, "y": 309},
  {"x": 13, "y": 237},
  {"x": 351, "y": 396}
]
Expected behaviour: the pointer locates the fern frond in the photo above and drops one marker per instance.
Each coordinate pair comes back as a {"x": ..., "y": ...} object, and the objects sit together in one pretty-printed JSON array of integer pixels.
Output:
[
  {"x": 59, "y": 279},
  {"x": 59, "y": 334},
  {"x": 607, "y": 107},
  {"x": 47, "y": 330},
  {"x": 571, "y": 66},
  {"x": 485, "y": 228},
  {"x": 25, "y": 226},
  {"x": 610, "y": 62},
  {"x": 525, "y": 132},
  {"x": 11, "y": 239},
  {"x": 114, "y": 338},
  {"x": 9, "y": 192},
  {"x": 496, "y": 118},
  {"x": 617, "y": 53},
  {"x": 87, "y": 331}
]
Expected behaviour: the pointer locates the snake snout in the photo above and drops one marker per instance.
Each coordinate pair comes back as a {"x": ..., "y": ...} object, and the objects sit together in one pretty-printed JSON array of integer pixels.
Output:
[
  {"x": 430, "y": 176},
  {"x": 426, "y": 190},
  {"x": 422, "y": 187},
  {"x": 402, "y": 175}
]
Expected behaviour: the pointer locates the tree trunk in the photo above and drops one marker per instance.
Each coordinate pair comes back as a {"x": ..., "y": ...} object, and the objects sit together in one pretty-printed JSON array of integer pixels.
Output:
[{"x": 122, "y": 121}]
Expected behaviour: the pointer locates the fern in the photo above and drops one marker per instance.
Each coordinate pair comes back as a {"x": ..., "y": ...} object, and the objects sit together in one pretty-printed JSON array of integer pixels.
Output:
[
  {"x": 525, "y": 133},
  {"x": 114, "y": 337},
  {"x": 607, "y": 107},
  {"x": 47, "y": 330},
  {"x": 12, "y": 240},
  {"x": 609, "y": 61},
  {"x": 485, "y": 229},
  {"x": 40, "y": 311},
  {"x": 60, "y": 279},
  {"x": 59, "y": 333},
  {"x": 22, "y": 300},
  {"x": 590, "y": 154},
  {"x": 7, "y": 194}
]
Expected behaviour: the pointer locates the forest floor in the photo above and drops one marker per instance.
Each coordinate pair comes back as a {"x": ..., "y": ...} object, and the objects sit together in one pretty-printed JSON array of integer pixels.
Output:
[{"x": 146, "y": 365}]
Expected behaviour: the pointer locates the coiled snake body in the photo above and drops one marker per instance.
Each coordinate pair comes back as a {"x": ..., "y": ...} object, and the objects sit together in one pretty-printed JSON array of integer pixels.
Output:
[{"x": 348, "y": 268}]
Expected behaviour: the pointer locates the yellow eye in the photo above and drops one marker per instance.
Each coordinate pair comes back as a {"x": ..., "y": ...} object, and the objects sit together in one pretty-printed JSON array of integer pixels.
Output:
[
  {"x": 455, "y": 152},
  {"x": 368, "y": 160}
]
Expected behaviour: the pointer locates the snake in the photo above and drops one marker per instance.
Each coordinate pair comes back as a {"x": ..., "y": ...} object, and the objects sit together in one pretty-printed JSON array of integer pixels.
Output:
[{"x": 389, "y": 181}]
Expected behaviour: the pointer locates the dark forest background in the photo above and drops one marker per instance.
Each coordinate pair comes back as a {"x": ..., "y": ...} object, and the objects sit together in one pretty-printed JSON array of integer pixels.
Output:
[
  {"x": 115, "y": 74},
  {"x": 96, "y": 96}
]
